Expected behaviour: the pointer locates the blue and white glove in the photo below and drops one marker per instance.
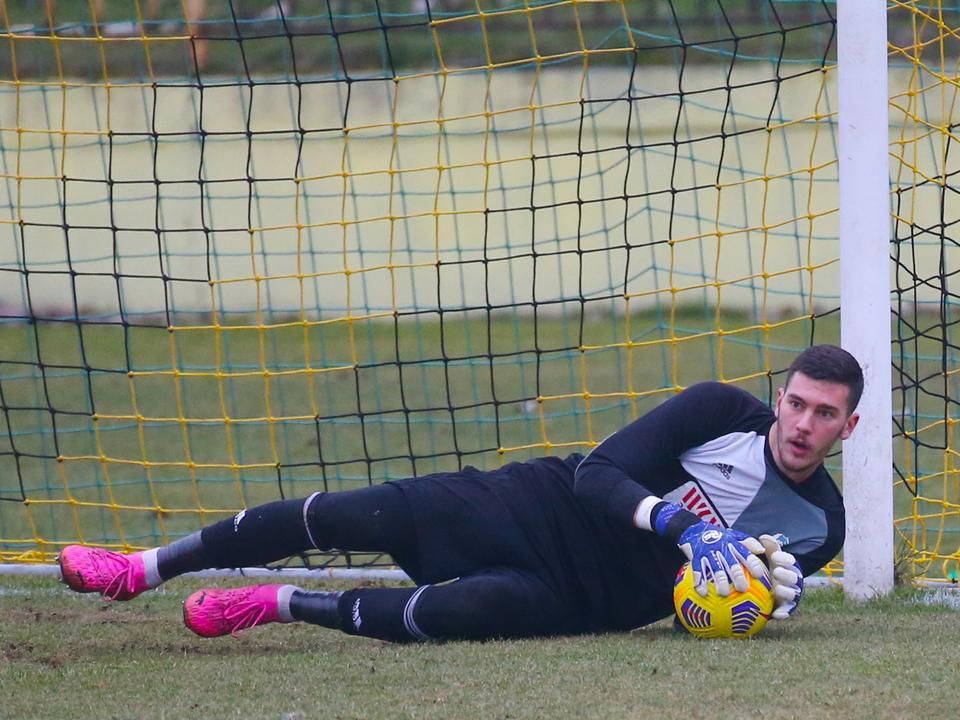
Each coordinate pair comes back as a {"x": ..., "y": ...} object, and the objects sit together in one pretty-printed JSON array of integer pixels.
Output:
[
  {"x": 786, "y": 575},
  {"x": 716, "y": 554}
]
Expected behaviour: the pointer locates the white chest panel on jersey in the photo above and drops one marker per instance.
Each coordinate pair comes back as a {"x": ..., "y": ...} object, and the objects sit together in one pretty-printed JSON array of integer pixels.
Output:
[
  {"x": 728, "y": 472},
  {"x": 733, "y": 486}
]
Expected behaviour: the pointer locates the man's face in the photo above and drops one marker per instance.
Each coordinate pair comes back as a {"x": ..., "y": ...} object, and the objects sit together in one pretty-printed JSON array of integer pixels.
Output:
[{"x": 811, "y": 417}]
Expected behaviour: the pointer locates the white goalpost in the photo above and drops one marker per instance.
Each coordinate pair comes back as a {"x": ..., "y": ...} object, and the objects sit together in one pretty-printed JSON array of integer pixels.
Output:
[{"x": 865, "y": 291}]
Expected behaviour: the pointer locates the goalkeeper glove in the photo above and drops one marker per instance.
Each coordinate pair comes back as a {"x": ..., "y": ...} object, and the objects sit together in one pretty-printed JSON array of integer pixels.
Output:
[
  {"x": 716, "y": 554},
  {"x": 786, "y": 575}
]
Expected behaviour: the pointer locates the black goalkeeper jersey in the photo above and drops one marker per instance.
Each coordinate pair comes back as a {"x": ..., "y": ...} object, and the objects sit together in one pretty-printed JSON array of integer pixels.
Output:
[
  {"x": 570, "y": 520},
  {"x": 706, "y": 448}
]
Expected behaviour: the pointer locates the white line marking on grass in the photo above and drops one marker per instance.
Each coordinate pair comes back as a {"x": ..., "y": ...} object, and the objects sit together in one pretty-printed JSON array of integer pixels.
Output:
[{"x": 946, "y": 596}]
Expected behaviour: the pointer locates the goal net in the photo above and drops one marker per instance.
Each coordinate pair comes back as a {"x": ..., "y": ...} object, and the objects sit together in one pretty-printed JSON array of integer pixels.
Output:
[
  {"x": 925, "y": 259},
  {"x": 256, "y": 249}
]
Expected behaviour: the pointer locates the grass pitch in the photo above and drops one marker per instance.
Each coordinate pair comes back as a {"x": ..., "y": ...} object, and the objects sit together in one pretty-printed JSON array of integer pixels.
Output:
[{"x": 64, "y": 655}]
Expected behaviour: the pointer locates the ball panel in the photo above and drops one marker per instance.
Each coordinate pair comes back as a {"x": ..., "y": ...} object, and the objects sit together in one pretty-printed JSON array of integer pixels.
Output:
[
  {"x": 745, "y": 617},
  {"x": 693, "y": 615}
]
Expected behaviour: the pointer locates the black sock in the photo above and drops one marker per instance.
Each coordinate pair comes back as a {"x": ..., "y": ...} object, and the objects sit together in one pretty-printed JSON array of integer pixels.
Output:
[
  {"x": 316, "y": 607},
  {"x": 181, "y": 556},
  {"x": 372, "y": 612},
  {"x": 257, "y": 536},
  {"x": 383, "y": 613},
  {"x": 252, "y": 537}
]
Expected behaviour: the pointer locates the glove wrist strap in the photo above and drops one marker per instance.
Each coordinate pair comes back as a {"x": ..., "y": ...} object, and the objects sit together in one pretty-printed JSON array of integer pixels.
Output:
[{"x": 671, "y": 519}]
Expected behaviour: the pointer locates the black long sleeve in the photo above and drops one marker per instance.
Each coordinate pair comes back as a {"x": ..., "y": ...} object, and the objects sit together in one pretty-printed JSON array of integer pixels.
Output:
[{"x": 643, "y": 458}]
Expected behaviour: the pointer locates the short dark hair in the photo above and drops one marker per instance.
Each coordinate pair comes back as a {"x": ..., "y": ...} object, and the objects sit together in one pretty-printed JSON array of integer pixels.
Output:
[{"x": 831, "y": 364}]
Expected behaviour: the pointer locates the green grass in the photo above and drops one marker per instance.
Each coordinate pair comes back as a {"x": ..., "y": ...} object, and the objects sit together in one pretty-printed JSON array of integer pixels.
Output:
[{"x": 69, "y": 656}]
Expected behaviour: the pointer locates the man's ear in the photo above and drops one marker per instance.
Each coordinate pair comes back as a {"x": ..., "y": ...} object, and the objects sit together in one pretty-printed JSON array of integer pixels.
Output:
[
  {"x": 776, "y": 405},
  {"x": 849, "y": 425}
]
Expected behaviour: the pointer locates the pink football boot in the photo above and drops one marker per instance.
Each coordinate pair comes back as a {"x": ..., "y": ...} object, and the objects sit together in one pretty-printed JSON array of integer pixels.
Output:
[
  {"x": 212, "y": 612},
  {"x": 95, "y": 570}
]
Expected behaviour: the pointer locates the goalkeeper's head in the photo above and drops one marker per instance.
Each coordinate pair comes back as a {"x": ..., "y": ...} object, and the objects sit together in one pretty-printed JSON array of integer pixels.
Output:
[
  {"x": 830, "y": 363},
  {"x": 815, "y": 409}
]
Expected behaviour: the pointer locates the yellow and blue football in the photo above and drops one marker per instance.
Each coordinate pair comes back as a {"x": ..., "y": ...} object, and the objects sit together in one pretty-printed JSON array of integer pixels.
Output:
[{"x": 738, "y": 615}]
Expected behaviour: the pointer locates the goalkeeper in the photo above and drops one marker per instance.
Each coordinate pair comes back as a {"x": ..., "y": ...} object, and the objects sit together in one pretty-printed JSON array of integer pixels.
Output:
[{"x": 550, "y": 546}]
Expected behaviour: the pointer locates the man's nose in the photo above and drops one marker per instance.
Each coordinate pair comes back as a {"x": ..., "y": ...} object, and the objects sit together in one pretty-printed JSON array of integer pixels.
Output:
[{"x": 804, "y": 421}]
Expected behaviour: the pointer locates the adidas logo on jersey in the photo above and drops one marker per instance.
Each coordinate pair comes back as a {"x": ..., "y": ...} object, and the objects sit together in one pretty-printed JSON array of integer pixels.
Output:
[{"x": 724, "y": 469}]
